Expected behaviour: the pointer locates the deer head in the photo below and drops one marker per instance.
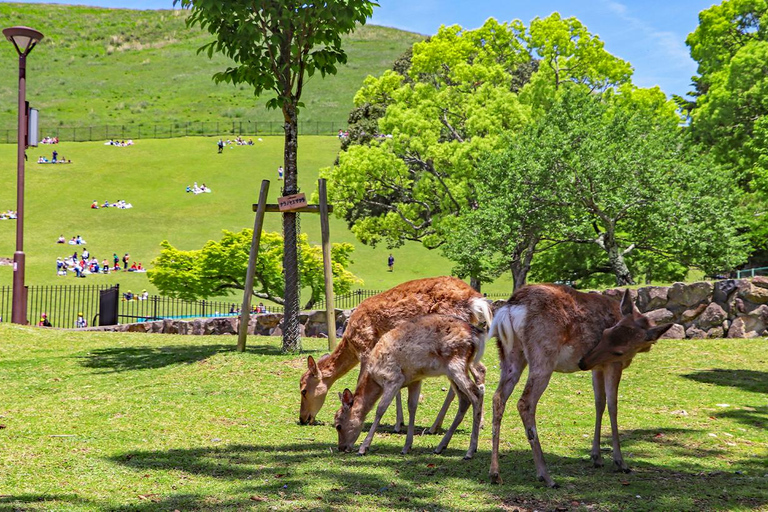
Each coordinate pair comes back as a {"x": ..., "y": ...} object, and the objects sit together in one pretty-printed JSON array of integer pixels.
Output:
[
  {"x": 346, "y": 426},
  {"x": 313, "y": 391},
  {"x": 632, "y": 334}
]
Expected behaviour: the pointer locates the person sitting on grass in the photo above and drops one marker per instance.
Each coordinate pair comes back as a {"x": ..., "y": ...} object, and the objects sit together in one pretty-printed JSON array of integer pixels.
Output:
[
  {"x": 80, "y": 322},
  {"x": 44, "y": 322},
  {"x": 128, "y": 295},
  {"x": 95, "y": 205},
  {"x": 61, "y": 240}
]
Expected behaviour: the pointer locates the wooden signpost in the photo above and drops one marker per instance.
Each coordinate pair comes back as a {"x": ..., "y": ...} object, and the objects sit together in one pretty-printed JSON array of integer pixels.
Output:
[{"x": 294, "y": 203}]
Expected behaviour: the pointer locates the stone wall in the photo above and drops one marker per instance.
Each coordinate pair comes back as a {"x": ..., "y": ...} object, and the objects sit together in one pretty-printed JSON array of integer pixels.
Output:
[{"x": 733, "y": 308}]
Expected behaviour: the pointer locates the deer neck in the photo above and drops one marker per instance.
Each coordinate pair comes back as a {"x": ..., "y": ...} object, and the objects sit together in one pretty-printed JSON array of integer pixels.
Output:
[
  {"x": 338, "y": 363},
  {"x": 367, "y": 393}
]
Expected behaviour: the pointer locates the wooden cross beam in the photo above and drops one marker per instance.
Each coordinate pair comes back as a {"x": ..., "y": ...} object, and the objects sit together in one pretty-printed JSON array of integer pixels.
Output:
[{"x": 301, "y": 207}]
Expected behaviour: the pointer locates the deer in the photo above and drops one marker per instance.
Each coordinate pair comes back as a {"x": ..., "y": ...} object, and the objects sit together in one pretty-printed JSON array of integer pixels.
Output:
[
  {"x": 379, "y": 314},
  {"x": 554, "y": 328},
  {"x": 428, "y": 346}
]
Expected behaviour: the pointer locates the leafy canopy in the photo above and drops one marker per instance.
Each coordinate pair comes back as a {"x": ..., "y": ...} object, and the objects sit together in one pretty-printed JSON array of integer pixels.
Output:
[{"x": 219, "y": 268}]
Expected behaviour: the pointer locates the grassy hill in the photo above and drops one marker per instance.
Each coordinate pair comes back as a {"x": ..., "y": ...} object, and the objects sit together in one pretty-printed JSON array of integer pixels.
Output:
[
  {"x": 117, "y": 66},
  {"x": 152, "y": 175}
]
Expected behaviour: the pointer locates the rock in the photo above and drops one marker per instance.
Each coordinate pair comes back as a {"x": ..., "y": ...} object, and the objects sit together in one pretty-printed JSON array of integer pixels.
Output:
[
  {"x": 652, "y": 297},
  {"x": 676, "y": 332},
  {"x": 760, "y": 281},
  {"x": 689, "y": 294},
  {"x": 760, "y": 312},
  {"x": 712, "y": 316},
  {"x": 723, "y": 290},
  {"x": 690, "y": 314},
  {"x": 716, "y": 332},
  {"x": 726, "y": 325},
  {"x": 746, "y": 327},
  {"x": 695, "y": 333},
  {"x": 755, "y": 294},
  {"x": 660, "y": 316},
  {"x": 618, "y": 293}
]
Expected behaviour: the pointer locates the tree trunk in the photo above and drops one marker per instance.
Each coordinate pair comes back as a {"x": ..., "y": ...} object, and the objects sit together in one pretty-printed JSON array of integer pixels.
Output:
[
  {"x": 617, "y": 263},
  {"x": 521, "y": 262},
  {"x": 475, "y": 283},
  {"x": 291, "y": 327}
]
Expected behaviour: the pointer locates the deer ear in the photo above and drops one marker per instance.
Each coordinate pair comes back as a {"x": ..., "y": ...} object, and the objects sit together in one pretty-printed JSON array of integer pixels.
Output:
[
  {"x": 654, "y": 333},
  {"x": 313, "y": 369},
  {"x": 627, "y": 308},
  {"x": 347, "y": 398}
]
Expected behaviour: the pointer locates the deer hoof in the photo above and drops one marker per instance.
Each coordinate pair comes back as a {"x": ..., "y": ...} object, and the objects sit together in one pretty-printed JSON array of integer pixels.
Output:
[
  {"x": 548, "y": 482},
  {"x": 597, "y": 462},
  {"x": 438, "y": 451},
  {"x": 621, "y": 467},
  {"x": 496, "y": 479}
]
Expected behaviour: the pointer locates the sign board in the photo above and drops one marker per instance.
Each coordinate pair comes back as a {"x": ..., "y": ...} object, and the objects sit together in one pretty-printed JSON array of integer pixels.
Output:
[{"x": 288, "y": 203}]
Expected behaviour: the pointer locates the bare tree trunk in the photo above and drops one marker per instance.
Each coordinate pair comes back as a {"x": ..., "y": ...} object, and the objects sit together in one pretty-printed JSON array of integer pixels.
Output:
[
  {"x": 291, "y": 327},
  {"x": 521, "y": 262},
  {"x": 475, "y": 283},
  {"x": 617, "y": 263}
]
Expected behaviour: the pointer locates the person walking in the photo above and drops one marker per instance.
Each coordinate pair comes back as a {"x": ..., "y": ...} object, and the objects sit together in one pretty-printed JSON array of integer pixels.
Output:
[
  {"x": 391, "y": 262},
  {"x": 125, "y": 261},
  {"x": 280, "y": 173},
  {"x": 220, "y": 144}
]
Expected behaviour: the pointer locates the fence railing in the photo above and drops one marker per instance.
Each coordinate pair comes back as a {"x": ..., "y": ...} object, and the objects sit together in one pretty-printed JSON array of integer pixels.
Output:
[
  {"x": 354, "y": 298},
  {"x": 244, "y": 128},
  {"x": 752, "y": 272},
  {"x": 60, "y": 303},
  {"x": 156, "y": 307}
]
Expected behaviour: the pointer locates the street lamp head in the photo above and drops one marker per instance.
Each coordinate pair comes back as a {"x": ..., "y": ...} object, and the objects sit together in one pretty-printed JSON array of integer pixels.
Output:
[{"x": 23, "y": 38}]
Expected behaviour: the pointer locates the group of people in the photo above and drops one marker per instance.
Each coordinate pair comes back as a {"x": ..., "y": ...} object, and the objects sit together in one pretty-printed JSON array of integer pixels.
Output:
[
  {"x": 260, "y": 308},
  {"x": 80, "y": 323},
  {"x": 198, "y": 190},
  {"x": 129, "y": 295},
  {"x": 50, "y": 140},
  {"x": 54, "y": 159},
  {"x": 89, "y": 264},
  {"x": 8, "y": 215},
  {"x": 119, "y": 204},
  {"x": 120, "y": 143},
  {"x": 237, "y": 141},
  {"x": 75, "y": 240}
]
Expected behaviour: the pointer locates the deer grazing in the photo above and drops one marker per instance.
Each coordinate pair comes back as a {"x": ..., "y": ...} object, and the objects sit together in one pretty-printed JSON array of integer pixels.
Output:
[
  {"x": 428, "y": 346},
  {"x": 380, "y": 314},
  {"x": 552, "y": 328}
]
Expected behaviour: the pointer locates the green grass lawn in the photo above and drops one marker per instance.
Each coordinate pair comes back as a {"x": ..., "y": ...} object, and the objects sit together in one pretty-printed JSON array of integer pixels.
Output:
[
  {"x": 152, "y": 175},
  {"x": 105, "y": 421}
]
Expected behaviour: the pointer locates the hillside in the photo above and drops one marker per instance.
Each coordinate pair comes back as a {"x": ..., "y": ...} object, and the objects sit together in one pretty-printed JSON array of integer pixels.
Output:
[{"x": 117, "y": 66}]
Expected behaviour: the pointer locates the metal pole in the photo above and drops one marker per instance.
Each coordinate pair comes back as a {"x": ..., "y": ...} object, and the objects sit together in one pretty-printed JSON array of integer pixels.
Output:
[
  {"x": 19, "y": 310},
  {"x": 245, "y": 313},
  {"x": 330, "y": 310}
]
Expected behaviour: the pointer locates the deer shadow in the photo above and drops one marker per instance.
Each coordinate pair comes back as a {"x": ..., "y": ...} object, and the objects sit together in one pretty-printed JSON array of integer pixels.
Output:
[
  {"x": 747, "y": 380},
  {"x": 121, "y": 359}
]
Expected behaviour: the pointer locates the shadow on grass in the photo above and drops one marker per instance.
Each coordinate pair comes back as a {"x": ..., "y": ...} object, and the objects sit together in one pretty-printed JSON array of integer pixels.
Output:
[
  {"x": 756, "y": 416},
  {"x": 315, "y": 476},
  {"x": 16, "y": 502},
  {"x": 746, "y": 380},
  {"x": 121, "y": 359}
]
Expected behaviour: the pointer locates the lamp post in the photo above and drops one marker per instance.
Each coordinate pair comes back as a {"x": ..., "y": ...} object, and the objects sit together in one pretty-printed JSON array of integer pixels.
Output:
[{"x": 23, "y": 39}]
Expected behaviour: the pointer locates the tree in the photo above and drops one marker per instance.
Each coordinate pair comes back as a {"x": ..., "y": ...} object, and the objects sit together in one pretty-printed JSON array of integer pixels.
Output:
[
  {"x": 617, "y": 176},
  {"x": 730, "y": 111},
  {"x": 275, "y": 47},
  {"x": 219, "y": 268}
]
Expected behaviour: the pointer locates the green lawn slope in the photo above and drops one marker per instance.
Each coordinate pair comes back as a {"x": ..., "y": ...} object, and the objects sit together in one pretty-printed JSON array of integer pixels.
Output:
[
  {"x": 152, "y": 175},
  {"x": 119, "y": 66},
  {"x": 143, "y": 422}
]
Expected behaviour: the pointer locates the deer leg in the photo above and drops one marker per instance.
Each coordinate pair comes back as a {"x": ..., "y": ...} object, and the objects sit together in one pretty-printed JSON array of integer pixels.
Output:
[
  {"x": 534, "y": 388},
  {"x": 399, "y": 413},
  {"x": 512, "y": 365},
  {"x": 414, "y": 390},
  {"x": 598, "y": 386},
  {"x": 474, "y": 393},
  {"x": 612, "y": 379},
  {"x": 441, "y": 415},
  {"x": 477, "y": 370},
  {"x": 463, "y": 406},
  {"x": 386, "y": 398}
]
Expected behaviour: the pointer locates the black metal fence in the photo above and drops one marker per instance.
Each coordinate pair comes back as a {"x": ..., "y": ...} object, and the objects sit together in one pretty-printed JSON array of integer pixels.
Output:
[
  {"x": 354, "y": 298},
  {"x": 122, "y": 132},
  {"x": 60, "y": 303},
  {"x": 156, "y": 307}
]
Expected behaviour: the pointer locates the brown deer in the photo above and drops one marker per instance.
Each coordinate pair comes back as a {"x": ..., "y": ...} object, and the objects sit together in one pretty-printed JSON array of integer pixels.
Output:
[
  {"x": 429, "y": 346},
  {"x": 379, "y": 314},
  {"x": 553, "y": 328}
]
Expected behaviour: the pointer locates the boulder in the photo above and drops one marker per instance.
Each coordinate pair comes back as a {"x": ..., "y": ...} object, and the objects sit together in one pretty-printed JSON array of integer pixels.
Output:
[
  {"x": 716, "y": 332},
  {"x": 760, "y": 281},
  {"x": 760, "y": 312},
  {"x": 746, "y": 327},
  {"x": 652, "y": 297},
  {"x": 618, "y": 293},
  {"x": 676, "y": 332},
  {"x": 712, "y": 316},
  {"x": 755, "y": 294},
  {"x": 687, "y": 295},
  {"x": 695, "y": 333},
  {"x": 660, "y": 316},
  {"x": 723, "y": 291},
  {"x": 690, "y": 314}
]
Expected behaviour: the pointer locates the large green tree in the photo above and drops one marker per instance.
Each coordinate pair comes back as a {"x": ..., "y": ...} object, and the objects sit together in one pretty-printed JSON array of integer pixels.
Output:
[
  {"x": 219, "y": 268},
  {"x": 730, "y": 111},
  {"x": 276, "y": 46}
]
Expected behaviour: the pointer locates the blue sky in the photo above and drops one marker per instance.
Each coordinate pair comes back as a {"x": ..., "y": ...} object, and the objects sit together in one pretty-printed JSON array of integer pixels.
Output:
[{"x": 650, "y": 34}]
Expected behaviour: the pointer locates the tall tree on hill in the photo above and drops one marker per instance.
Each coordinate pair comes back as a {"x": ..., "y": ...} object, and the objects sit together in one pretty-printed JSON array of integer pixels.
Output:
[{"x": 275, "y": 47}]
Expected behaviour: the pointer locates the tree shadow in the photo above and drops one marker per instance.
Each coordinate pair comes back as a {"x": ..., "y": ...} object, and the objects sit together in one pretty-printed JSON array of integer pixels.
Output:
[
  {"x": 753, "y": 416},
  {"x": 281, "y": 474},
  {"x": 746, "y": 380},
  {"x": 11, "y": 502},
  {"x": 121, "y": 359}
]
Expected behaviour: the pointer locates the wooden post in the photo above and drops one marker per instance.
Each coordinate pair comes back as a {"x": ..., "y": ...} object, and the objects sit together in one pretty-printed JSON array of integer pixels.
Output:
[
  {"x": 245, "y": 313},
  {"x": 330, "y": 310}
]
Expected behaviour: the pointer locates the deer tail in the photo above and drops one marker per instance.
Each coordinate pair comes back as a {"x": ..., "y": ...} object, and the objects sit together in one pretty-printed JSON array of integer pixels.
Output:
[
  {"x": 481, "y": 309},
  {"x": 503, "y": 325}
]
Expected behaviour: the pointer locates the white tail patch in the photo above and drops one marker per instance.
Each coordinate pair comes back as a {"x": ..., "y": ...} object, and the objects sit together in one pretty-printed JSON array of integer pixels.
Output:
[
  {"x": 507, "y": 324},
  {"x": 481, "y": 310}
]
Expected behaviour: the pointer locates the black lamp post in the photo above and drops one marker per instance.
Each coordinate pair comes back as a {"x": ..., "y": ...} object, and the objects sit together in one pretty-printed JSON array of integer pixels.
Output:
[{"x": 23, "y": 39}]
